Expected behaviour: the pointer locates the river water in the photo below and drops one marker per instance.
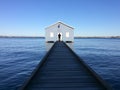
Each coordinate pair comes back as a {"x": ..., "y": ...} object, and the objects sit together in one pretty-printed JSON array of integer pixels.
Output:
[{"x": 20, "y": 56}]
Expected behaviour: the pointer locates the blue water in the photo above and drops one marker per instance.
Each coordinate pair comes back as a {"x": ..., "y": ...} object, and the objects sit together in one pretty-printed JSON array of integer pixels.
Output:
[
  {"x": 103, "y": 56},
  {"x": 20, "y": 56}
]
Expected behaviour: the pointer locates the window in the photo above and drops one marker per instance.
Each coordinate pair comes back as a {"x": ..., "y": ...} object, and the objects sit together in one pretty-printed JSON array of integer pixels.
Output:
[
  {"x": 51, "y": 34},
  {"x": 67, "y": 34},
  {"x": 59, "y": 26}
]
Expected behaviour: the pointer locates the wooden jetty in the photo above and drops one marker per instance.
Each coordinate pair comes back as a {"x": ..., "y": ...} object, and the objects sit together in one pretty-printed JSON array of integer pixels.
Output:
[{"x": 62, "y": 69}]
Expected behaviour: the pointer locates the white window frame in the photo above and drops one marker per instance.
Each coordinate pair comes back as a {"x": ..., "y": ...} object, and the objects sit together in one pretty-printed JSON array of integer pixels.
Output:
[
  {"x": 67, "y": 34},
  {"x": 51, "y": 34}
]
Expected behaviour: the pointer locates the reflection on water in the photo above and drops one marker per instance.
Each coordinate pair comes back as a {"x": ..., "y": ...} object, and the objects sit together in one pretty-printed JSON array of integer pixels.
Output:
[
  {"x": 49, "y": 45},
  {"x": 71, "y": 45}
]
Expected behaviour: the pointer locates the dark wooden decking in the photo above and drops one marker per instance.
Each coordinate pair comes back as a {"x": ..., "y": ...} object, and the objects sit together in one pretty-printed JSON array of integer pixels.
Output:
[{"x": 62, "y": 69}]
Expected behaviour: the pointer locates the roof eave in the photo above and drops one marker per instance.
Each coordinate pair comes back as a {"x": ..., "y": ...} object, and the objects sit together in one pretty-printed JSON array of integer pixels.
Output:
[{"x": 61, "y": 23}]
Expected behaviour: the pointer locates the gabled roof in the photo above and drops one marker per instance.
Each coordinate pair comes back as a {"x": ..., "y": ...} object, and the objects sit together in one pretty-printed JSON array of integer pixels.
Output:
[{"x": 60, "y": 23}]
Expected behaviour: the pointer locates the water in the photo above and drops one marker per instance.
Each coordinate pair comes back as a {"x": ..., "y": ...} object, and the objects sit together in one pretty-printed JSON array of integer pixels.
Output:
[
  {"x": 103, "y": 56},
  {"x": 20, "y": 56}
]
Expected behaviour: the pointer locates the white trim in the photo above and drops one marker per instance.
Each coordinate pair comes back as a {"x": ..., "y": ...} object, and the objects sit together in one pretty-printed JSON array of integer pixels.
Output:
[{"x": 59, "y": 23}]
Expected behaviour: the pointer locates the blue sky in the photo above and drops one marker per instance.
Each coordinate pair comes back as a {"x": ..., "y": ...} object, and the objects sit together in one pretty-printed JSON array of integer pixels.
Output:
[{"x": 88, "y": 17}]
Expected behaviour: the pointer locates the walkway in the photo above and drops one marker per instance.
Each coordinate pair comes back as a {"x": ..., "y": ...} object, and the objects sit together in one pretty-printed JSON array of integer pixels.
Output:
[{"x": 62, "y": 69}]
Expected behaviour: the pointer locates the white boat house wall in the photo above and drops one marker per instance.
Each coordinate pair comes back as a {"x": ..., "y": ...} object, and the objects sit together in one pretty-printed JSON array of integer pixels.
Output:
[{"x": 66, "y": 33}]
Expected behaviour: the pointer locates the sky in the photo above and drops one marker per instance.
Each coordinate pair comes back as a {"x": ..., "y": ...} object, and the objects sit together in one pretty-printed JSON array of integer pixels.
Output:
[{"x": 88, "y": 17}]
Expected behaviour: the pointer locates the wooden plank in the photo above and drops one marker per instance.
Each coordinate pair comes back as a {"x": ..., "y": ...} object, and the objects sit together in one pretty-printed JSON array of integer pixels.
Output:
[
  {"x": 62, "y": 68},
  {"x": 75, "y": 88}
]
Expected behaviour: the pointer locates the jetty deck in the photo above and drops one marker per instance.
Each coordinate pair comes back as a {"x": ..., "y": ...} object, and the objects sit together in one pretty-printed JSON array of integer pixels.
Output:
[{"x": 62, "y": 69}]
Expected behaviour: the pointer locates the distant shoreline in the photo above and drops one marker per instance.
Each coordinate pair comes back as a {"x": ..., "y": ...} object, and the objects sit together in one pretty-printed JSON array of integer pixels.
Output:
[
  {"x": 19, "y": 37},
  {"x": 100, "y": 37},
  {"x": 76, "y": 37}
]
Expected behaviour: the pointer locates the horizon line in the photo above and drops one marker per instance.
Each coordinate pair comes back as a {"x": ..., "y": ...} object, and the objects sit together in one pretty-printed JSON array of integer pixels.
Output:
[{"x": 44, "y": 36}]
